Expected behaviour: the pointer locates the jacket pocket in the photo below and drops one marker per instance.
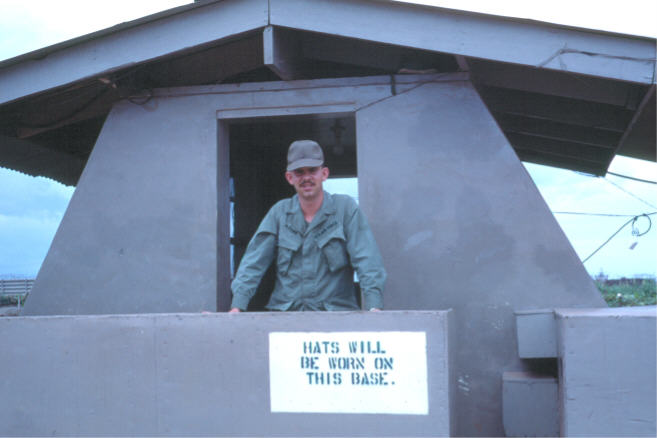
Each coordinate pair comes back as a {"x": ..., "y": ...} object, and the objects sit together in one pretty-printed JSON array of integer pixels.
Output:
[
  {"x": 334, "y": 247},
  {"x": 287, "y": 246}
]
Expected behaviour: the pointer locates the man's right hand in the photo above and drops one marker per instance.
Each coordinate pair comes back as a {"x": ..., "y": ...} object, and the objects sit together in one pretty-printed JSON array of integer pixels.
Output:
[{"x": 234, "y": 310}]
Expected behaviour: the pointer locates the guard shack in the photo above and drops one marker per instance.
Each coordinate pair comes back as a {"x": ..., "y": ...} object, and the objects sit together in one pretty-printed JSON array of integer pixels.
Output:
[{"x": 173, "y": 125}]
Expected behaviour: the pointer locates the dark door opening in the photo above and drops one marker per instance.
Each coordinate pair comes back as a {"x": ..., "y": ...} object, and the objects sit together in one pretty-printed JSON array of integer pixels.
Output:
[{"x": 258, "y": 157}]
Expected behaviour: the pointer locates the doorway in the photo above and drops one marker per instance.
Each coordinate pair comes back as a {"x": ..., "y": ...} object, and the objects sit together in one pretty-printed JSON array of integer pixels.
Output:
[{"x": 257, "y": 150}]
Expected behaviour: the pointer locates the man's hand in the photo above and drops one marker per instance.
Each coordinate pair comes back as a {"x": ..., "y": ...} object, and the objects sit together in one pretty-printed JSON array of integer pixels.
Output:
[{"x": 234, "y": 310}]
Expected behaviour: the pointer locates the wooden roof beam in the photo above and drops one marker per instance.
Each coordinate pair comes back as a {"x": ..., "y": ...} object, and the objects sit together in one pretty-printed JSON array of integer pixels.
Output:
[
  {"x": 565, "y": 149},
  {"x": 559, "y": 109},
  {"x": 557, "y": 130},
  {"x": 282, "y": 53},
  {"x": 517, "y": 41},
  {"x": 639, "y": 138},
  {"x": 129, "y": 44},
  {"x": 560, "y": 162},
  {"x": 562, "y": 84}
]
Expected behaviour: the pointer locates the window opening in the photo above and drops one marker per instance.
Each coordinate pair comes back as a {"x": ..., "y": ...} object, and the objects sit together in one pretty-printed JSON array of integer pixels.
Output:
[{"x": 258, "y": 157}]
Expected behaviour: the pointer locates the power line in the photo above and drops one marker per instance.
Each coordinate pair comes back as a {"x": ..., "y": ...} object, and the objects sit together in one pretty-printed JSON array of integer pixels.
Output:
[
  {"x": 619, "y": 187},
  {"x": 629, "y": 193},
  {"x": 635, "y": 232},
  {"x": 632, "y": 178},
  {"x": 593, "y": 214}
]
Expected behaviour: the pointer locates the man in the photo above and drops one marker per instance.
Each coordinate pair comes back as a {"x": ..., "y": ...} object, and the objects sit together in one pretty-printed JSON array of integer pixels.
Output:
[{"x": 318, "y": 240}]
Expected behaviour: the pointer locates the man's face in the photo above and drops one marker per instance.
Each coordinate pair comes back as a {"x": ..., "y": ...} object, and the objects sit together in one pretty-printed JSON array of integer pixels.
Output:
[{"x": 307, "y": 181}]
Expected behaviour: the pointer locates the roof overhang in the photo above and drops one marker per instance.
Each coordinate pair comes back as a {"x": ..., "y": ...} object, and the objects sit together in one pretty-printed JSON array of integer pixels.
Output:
[{"x": 563, "y": 96}]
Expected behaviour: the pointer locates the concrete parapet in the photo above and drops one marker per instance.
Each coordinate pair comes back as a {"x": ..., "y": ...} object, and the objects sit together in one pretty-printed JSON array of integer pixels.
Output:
[
  {"x": 607, "y": 371},
  {"x": 147, "y": 230},
  {"x": 536, "y": 331},
  {"x": 213, "y": 374},
  {"x": 606, "y": 362},
  {"x": 530, "y": 404}
]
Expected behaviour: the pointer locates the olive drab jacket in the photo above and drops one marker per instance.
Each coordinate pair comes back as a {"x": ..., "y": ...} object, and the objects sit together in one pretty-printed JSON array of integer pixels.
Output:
[{"x": 314, "y": 262}]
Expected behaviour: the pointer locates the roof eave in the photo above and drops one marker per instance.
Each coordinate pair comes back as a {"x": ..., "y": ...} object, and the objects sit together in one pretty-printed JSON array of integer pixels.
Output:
[{"x": 468, "y": 34}]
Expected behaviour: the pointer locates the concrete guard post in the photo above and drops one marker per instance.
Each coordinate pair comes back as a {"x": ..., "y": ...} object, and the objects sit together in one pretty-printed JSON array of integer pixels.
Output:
[
  {"x": 443, "y": 189},
  {"x": 374, "y": 374},
  {"x": 608, "y": 373}
]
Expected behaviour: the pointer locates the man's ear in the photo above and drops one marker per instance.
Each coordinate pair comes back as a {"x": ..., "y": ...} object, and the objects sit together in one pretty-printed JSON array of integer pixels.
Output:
[
  {"x": 325, "y": 173},
  {"x": 289, "y": 177}
]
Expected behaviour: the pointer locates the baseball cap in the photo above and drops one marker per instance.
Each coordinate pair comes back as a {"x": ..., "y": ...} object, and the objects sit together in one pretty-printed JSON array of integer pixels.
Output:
[{"x": 304, "y": 153}]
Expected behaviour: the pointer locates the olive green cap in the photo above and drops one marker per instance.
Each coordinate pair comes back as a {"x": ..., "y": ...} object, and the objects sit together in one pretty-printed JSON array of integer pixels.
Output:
[{"x": 304, "y": 153}]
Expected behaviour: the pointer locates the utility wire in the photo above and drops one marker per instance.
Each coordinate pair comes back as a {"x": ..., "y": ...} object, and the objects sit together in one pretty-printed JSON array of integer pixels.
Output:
[
  {"x": 635, "y": 231},
  {"x": 593, "y": 214},
  {"x": 629, "y": 193},
  {"x": 566, "y": 50},
  {"x": 632, "y": 178},
  {"x": 619, "y": 187},
  {"x": 69, "y": 115}
]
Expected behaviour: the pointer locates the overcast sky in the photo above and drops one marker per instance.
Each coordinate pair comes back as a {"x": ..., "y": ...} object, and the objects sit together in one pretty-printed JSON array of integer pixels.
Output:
[{"x": 31, "y": 208}]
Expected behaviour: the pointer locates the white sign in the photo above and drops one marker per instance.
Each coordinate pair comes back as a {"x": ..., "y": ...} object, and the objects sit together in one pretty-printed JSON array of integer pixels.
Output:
[{"x": 348, "y": 372}]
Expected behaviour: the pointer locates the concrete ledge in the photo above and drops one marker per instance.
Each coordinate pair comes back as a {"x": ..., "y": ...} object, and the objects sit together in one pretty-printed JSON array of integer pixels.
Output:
[
  {"x": 607, "y": 373},
  {"x": 536, "y": 331},
  {"x": 530, "y": 403},
  {"x": 190, "y": 374}
]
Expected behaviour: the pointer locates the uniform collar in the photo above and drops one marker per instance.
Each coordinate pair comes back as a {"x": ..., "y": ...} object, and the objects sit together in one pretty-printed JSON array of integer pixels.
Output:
[{"x": 295, "y": 220}]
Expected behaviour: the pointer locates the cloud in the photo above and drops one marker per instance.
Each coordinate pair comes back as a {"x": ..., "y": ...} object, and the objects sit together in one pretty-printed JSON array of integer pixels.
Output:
[
  {"x": 25, "y": 241},
  {"x": 564, "y": 190},
  {"x": 30, "y": 25},
  {"x": 34, "y": 196},
  {"x": 30, "y": 212},
  {"x": 633, "y": 17}
]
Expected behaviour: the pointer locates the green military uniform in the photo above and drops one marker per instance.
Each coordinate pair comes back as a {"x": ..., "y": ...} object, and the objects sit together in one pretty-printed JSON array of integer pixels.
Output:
[{"x": 314, "y": 262}]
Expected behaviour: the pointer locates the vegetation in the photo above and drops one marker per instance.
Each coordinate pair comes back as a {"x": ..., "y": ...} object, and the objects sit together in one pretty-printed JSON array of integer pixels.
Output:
[
  {"x": 632, "y": 292},
  {"x": 12, "y": 300}
]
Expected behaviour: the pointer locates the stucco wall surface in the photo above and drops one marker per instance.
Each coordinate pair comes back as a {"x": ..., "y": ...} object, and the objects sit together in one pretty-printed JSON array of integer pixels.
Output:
[
  {"x": 188, "y": 374},
  {"x": 530, "y": 404},
  {"x": 607, "y": 373},
  {"x": 457, "y": 218},
  {"x": 461, "y": 225},
  {"x": 140, "y": 231},
  {"x": 537, "y": 334}
]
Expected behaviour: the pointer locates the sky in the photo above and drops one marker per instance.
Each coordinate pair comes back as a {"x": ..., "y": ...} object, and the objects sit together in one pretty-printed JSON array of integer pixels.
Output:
[{"x": 31, "y": 208}]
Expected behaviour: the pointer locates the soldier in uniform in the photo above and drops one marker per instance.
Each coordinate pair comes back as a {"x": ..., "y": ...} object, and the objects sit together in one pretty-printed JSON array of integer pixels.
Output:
[{"x": 318, "y": 240}]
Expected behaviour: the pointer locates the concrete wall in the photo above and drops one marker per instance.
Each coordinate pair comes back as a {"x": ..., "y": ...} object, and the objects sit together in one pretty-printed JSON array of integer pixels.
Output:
[
  {"x": 607, "y": 374},
  {"x": 140, "y": 232},
  {"x": 536, "y": 334},
  {"x": 531, "y": 404},
  {"x": 461, "y": 225},
  {"x": 446, "y": 196},
  {"x": 189, "y": 374}
]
